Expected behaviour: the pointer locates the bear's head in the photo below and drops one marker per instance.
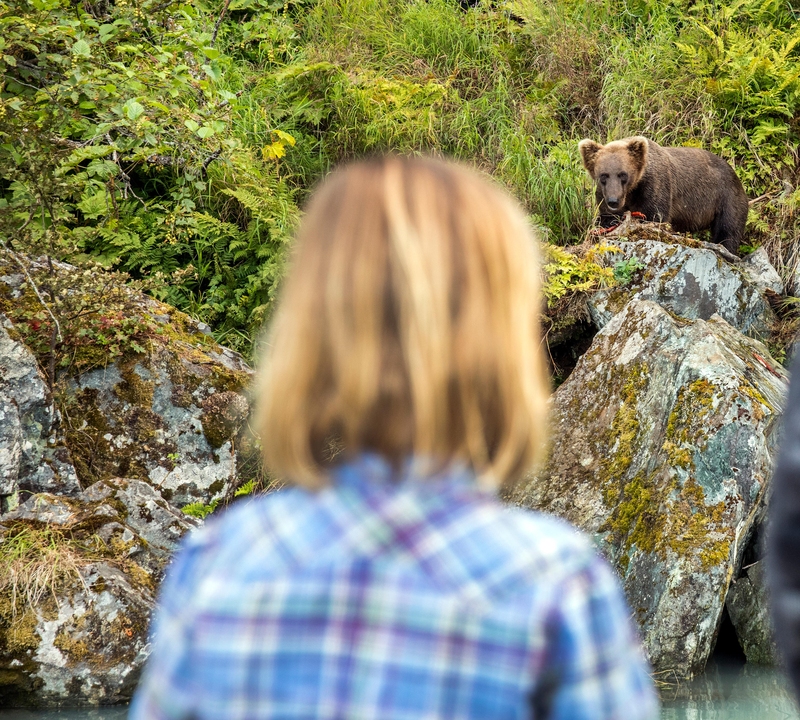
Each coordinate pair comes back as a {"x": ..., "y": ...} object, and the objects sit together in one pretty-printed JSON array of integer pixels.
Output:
[{"x": 616, "y": 167}]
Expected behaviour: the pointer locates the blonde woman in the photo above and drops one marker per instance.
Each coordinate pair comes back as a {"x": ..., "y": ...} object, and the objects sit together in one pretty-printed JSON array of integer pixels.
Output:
[{"x": 389, "y": 582}]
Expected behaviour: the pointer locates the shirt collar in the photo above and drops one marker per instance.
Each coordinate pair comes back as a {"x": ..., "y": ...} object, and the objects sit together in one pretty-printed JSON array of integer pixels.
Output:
[{"x": 370, "y": 470}]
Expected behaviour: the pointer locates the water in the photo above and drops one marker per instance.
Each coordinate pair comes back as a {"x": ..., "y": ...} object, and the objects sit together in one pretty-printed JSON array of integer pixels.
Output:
[
  {"x": 730, "y": 692},
  {"x": 724, "y": 692},
  {"x": 106, "y": 713}
]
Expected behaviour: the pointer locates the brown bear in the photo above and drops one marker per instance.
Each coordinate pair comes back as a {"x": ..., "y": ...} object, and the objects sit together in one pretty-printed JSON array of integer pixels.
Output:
[{"x": 689, "y": 188}]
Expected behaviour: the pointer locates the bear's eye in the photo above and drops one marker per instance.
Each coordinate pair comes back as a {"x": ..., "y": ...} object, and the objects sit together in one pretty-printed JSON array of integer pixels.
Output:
[
  {"x": 603, "y": 178},
  {"x": 623, "y": 177}
]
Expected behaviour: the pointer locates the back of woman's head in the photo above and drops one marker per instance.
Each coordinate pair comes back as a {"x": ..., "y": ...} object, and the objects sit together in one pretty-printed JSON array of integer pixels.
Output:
[{"x": 407, "y": 326}]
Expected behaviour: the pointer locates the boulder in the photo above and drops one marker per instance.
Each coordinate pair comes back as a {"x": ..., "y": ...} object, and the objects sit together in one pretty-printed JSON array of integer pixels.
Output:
[
  {"x": 33, "y": 456},
  {"x": 173, "y": 416},
  {"x": 169, "y": 406},
  {"x": 748, "y": 608},
  {"x": 761, "y": 272},
  {"x": 693, "y": 281},
  {"x": 662, "y": 447},
  {"x": 75, "y": 608}
]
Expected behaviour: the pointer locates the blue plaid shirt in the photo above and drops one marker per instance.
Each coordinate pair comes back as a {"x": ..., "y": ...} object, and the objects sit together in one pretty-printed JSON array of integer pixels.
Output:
[{"x": 387, "y": 599}]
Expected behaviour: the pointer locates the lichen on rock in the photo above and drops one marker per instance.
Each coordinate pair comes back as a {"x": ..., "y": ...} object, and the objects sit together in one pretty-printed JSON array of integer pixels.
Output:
[
  {"x": 692, "y": 281},
  {"x": 672, "y": 430},
  {"x": 78, "y": 578},
  {"x": 130, "y": 377},
  {"x": 33, "y": 455}
]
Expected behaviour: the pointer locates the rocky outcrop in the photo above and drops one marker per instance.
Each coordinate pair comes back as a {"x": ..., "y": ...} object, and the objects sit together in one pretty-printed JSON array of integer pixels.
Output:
[
  {"x": 171, "y": 416},
  {"x": 761, "y": 272},
  {"x": 663, "y": 442},
  {"x": 692, "y": 282},
  {"x": 75, "y": 607},
  {"x": 33, "y": 456},
  {"x": 82, "y": 551},
  {"x": 170, "y": 409}
]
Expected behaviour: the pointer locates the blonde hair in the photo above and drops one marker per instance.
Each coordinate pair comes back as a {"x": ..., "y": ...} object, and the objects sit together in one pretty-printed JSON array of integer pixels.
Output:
[{"x": 408, "y": 325}]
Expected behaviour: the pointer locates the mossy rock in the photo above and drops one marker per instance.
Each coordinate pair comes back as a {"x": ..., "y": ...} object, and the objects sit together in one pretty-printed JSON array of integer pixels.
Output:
[
  {"x": 663, "y": 443},
  {"x": 690, "y": 279},
  {"x": 147, "y": 416},
  {"x": 131, "y": 380},
  {"x": 78, "y": 581}
]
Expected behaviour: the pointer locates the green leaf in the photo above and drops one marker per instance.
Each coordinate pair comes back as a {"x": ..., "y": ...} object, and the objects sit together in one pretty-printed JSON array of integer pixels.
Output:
[
  {"x": 205, "y": 132},
  {"x": 132, "y": 109},
  {"x": 192, "y": 125},
  {"x": 10, "y": 60},
  {"x": 212, "y": 70},
  {"x": 82, "y": 49}
]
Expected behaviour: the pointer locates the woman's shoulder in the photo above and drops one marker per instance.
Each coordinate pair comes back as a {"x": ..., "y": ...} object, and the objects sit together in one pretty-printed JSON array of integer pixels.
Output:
[
  {"x": 541, "y": 546},
  {"x": 249, "y": 528}
]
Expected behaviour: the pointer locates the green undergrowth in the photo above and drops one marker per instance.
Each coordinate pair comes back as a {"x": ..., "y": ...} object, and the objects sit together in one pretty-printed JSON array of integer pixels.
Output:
[{"x": 178, "y": 141}]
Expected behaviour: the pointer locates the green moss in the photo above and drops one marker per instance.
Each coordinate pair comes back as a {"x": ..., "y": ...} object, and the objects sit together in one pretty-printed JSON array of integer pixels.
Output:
[
  {"x": 90, "y": 420},
  {"x": 75, "y": 650},
  {"x": 693, "y": 405},
  {"x": 664, "y": 512},
  {"x": 623, "y": 435},
  {"x": 134, "y": 389},
  {"x": 140, "y": 576},
  {"x": 17, "y": 629}
]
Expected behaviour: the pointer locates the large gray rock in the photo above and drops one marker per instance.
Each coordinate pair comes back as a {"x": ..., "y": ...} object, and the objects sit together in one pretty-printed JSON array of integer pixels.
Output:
[
  {"x": 692, "y": 282},
  {"x": 748, "y": 607},
  {"x": 81, "y": 637},
  {"x": 174, "y": 417},
  {"x": 32, "y": 453},
  {"x": 662, "y": 447},
  {"x": 169, "y": 407}
]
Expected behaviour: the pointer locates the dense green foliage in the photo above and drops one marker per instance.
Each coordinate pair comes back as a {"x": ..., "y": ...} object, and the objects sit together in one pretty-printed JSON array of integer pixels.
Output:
[{"x": 176, "y": 140}]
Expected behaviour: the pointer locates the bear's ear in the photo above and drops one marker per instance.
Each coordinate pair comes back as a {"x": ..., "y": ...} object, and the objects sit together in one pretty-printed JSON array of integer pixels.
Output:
[
  {"x": 637, "y": 149},
  {"x": 589, "y": 150}
]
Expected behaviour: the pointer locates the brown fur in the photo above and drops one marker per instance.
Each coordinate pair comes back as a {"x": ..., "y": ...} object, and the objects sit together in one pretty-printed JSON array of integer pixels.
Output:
[{"x": 689, "y": 188}]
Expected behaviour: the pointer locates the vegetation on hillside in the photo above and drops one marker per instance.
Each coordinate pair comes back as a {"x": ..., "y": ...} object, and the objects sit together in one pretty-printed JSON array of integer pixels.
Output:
[{"x": 176, "y": 140}]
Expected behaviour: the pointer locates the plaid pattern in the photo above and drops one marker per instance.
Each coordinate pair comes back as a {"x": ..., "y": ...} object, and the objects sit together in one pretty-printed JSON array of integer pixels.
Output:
[{"x": 379, "y": 599}]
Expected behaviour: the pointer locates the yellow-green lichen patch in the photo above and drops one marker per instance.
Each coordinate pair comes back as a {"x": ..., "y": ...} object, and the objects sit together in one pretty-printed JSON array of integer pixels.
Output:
[
  {"x": 663, "y": 517},
  {"x": 678, "y": 457},
  {"x": 76, "y": 650},
  {"x": 687, "y": 421},
  {"x": 758, "y": 400},
  {"x": 632, "y": 521},
  {"x": 664, "y": 511},
  {"x": 623, "y": 436},
  {"x": 695, "y": 528}
]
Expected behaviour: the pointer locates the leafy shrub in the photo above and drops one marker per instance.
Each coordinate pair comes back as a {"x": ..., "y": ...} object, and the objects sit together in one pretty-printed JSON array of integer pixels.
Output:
[
  {"x": 624, "y": 270},
  {"x": 117, "y": 145},
  {"x": 177, "y": 141}
]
